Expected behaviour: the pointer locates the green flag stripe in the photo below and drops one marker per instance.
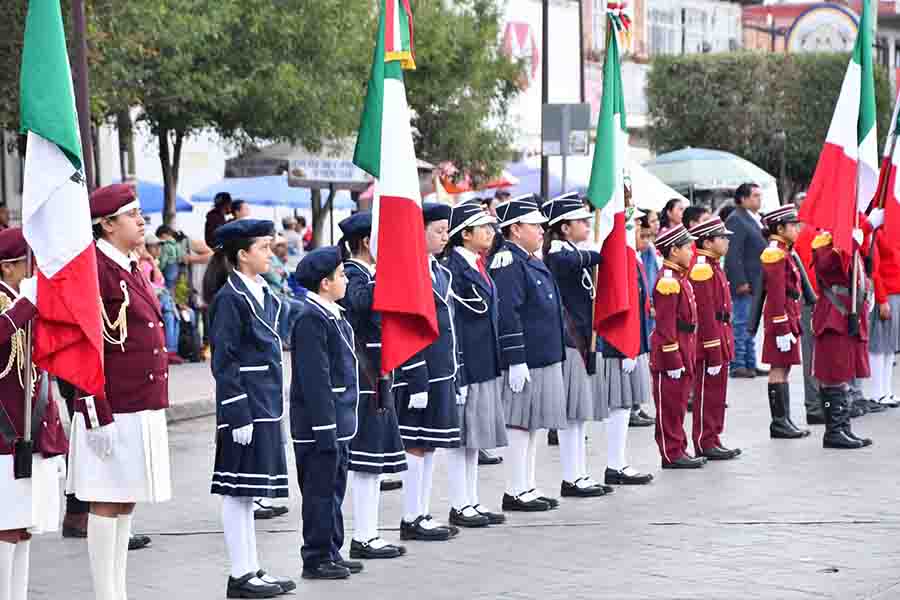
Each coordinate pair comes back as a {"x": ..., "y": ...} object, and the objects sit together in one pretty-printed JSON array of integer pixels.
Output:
[
  {"x": 862, "y": 55},
  {"x": 601, "y": 188},
  {"x": 47, "y": 99}
]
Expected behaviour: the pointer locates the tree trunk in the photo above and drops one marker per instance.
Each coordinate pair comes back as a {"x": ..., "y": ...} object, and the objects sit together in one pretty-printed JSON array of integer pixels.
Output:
[
  {"x": 95, "y": 143},
  {"x": 126, "y": 143},
  {"x": 170, "y": 160},
  {"x": 319, "y": 212}
]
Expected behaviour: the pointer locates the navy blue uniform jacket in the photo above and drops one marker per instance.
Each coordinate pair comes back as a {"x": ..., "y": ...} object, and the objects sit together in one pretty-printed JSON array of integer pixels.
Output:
[
  {"x": 742, "y": 263},
  {"x": 572, "y": 269}
]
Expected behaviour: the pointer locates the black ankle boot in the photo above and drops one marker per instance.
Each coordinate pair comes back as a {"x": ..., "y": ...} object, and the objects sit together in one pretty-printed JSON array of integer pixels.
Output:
[
  {"x": 780, "y": 428},
  {"x": 785, "y": 393},
  {"x": 835, "y": 406}
]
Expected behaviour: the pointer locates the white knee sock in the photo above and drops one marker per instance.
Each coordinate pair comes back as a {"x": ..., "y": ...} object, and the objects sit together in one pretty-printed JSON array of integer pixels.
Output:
[
  {"x": 516, "y": 459},
  {"x": 427, "y": 480},
  {"x": 872, "y": 385},
  {"x": 568, "y": 452},
  {"x": 237, "y": 545},
  {"x": 7, "y": 555},
  {"x": 365, "y": 505},
  {"x": 532, "y": 459},
  {"x": 887, "y": 381},
  {"x": 616, "y": 438},
  {"x": 412, "y": 488},
  {"x": 457, "y": 480},
  {"x": 102, "y": 553},
  {"x": 19, "y": 581},
  {"x": 472, "y": 475},
  {"x": 582, "y": 470},
  {"x": 123, "y": 534},
  {"x": 250, "y": 528}
]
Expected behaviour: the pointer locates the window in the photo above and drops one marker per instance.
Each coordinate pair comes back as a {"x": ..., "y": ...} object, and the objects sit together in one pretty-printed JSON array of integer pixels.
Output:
[
  {"x": 693, "y": 26},
  {"x": 598, "y": 24}
]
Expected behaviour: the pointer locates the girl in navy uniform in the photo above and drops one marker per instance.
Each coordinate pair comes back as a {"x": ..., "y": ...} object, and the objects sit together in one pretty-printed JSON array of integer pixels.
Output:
[
  {"x": 247, "y": 366},
  {"x": 480, "y": 400},
  {"x": 324, "y": 399},
  {"x": 572, "y": 267},
  {"x": 532, "y": 349},
  {"x": 426, "y": 393},
  {"x": 377, "y": 447}
]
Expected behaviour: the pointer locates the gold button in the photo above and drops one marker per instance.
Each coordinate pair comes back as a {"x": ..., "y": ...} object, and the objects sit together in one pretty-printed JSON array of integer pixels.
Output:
[
  {"x": 150, "y": 325},
  {"x": 156, "y": 351},
  {"x": 160, "y": 324}
]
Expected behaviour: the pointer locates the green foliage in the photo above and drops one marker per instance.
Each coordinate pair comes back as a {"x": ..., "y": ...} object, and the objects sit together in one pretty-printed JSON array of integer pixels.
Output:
[
  {"x": 736, "y": 102},
  {"x": 12, "y": 30}
]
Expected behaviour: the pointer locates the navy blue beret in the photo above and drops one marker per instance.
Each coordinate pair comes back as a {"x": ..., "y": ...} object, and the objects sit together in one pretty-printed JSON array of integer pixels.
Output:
[
  {"x": 356, "y": 225},
  {"x": 317, "y": 265},
  {"x": 243, "y": 229},
  {"x": 432, "y": 211}
]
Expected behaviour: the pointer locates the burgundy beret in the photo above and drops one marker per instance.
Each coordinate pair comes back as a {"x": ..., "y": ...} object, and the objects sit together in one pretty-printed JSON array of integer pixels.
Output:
[
  {"x": 109, "y": 200},
  {"x": 12, "y": 244}
]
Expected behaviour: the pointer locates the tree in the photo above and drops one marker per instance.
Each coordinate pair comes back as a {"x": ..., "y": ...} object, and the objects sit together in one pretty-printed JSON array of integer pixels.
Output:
[
  {"x": 12, "y": 33},
  {"x": 736, "y": 102}
]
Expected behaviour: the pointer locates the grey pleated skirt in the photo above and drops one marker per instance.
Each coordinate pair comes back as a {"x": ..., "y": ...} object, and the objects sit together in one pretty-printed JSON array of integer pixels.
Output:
[
  {"x": 615, "y": 389},
  {"x": 884, "y": 336},
  {"x": 541, "y": 405},
  {"x": 579, "y": 391},
  {"x": 482, "y": 418}
]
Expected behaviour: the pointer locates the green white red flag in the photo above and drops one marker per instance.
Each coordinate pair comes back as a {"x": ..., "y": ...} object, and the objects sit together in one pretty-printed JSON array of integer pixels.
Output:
[
  {"x": 846, "y": 175},
  {"x": 56, "y": 215},
  {"x": 384, "y": 149}
]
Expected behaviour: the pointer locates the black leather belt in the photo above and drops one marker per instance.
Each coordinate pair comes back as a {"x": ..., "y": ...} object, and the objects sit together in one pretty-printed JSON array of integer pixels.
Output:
[
  {"x": 724, "y": 317},
  {"x": 793, "y": 294},
  {"x": 685, "y": 326}
]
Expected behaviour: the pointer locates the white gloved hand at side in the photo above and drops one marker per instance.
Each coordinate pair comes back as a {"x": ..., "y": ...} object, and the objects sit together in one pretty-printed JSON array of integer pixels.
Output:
[
  {"x": 675, "y": 373},
  {"x": 242, "y": 436},
  {"x": 462, "y": 395},
  {"x": 713, "y": 371},
  {"x": 876, "y": 218},
  {"x": 518, "y": 376},
  {"x": 28, "y": 289},
  {"x": 418, "y": 401},
  {"x": 628, "y": 365},
  {"x": 102, "y": 440},
  {"x": 784, "y": 342}
]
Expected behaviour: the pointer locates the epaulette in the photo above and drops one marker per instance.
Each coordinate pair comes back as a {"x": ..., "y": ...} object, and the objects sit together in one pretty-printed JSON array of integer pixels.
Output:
[
  {"x": 5, "y": 302},
  {"x": 556, "y": 246},
  {"x": 772, "y": 254},
  {"x": 504, "y": 258},
  {"x": 821, "y": 240},
  {"x": 667, "y": 284},
  {"x": 702, "y": 271}
]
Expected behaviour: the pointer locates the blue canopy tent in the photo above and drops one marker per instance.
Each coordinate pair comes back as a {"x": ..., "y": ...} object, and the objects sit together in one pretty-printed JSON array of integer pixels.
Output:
[
  {"x": 271, "y": 190},
  {"x": 152, "y": 195},
  {"x": 530, "y": 181}
]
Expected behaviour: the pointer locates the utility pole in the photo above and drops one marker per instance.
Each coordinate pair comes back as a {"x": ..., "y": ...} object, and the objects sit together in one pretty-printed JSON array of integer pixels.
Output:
[
  {"x": 545, "y": 94},
  {"x": 581, "y": 51},
  {"x": 82, "y": 93}
]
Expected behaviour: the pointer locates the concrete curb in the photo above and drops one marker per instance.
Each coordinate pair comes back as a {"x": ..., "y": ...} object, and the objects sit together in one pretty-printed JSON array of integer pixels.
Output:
[{"x": 191, "y": 409}]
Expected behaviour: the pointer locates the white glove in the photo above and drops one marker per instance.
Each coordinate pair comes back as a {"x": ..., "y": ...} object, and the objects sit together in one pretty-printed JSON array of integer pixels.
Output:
[
  {"x": 419, "y": 400},
  {"x": 102, "y": 440},
  {"x": 60, "y": 463},
  {"x": 713, "y": 371},
  {"x": 628, "y": 365},
  {"x": 676, "y": 374},
  {"x": 858, "y": 236},
  {"x": 518, "y": 375},
  {"x": 462, "y": 395},
  {"x": 242, "y": 436},
  {"x": 876, "y": 218},
  {"x": 784, "y": 342},
  {"x": 28, "y": 289}
]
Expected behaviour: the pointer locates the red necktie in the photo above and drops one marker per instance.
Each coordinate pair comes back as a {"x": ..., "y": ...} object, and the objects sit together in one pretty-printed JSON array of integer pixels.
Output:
[{"x": 480, "y": 262}]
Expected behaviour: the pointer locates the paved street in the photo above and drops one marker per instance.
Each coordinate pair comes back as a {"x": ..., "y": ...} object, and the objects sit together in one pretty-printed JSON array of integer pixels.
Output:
[{"x": 786, "y": 520}]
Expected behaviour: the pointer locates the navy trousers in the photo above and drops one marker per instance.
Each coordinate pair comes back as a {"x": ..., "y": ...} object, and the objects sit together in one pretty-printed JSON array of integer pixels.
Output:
[
  {"x": 323, "y": 483},
  {"x": 744, "y": 343}
]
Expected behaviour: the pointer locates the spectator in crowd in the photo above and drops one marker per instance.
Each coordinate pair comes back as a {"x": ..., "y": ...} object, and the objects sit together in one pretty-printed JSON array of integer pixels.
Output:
[
  {"x": 216, "y": 217},
  {"x": 171, "y": 255},
  {"x": 744, "y": 270},
  {"x": 148, "y": 261},
  {"x": 672, "y": 213},
  {"x": 277, "y": 278},
  {"x": 694, "y": 215},
  {"x": 292, "y": 236},
  {"x": 725, "y": 211},
  {"x": 651, "y": 221},
  {"x": 306, "y": 235},
  {"x": 240, "y": 210},
  {"x": 490, "y": 204}
]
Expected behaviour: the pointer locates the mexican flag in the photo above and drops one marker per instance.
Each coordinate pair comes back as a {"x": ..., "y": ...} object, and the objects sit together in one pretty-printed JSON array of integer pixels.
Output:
[
  {"x": 56, "y": 217},
  {"x": 616, "y": 307},
  {"x": 384, "y": 149},
  {"x": 847, "y": 172},
  {"x": 888, "y": 195}
]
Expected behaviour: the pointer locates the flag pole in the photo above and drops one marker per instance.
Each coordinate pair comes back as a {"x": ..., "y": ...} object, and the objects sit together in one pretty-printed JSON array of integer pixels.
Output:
[
  {"x": 853, "y": 316},
  {"x": 29, "y": 383}
]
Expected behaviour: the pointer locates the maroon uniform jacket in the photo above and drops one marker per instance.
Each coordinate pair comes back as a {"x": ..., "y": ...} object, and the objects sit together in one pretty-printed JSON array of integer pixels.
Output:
[
  {"x": 781, "y": 314},
  {"x": 137, "y": 371},
  {"x": 715, "y": 336},
  {"x": 673, "y": 344},
  {"x": 50, "y": 439}
]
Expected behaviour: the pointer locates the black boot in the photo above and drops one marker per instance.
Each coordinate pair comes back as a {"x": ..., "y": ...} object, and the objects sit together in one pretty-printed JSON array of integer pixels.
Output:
[
  {"x": 835, "y": 405},
  {"x": 785, "y": 392},
  {"x": 780, "y": 428}
]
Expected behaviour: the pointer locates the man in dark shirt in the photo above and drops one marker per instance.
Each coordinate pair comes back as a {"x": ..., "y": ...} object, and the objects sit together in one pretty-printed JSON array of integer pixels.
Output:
[{"x": 216, "y": 217}]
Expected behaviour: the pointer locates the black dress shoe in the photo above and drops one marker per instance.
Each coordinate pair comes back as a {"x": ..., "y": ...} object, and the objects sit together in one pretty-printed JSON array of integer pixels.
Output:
[
  {"x": 889, "y": 401},
  {"x": 277, "y": 511},
  {"x": 326, "y": 570},
  {"x": 364, "y": 550},
  {"x": 242, "y": 588},
  {"x": 840, "y": 440},
  {"x": 515, "y": 503},
  {"x": 263, "y": 514},
  {"x": 781, "y": 430},
  {"x": 742, "y": 373},
  {"x": 814, "y": 419},
  {"x": 638, "y": 420},
  {"x": 486, "y": 458},
  {"x": 736, "y": 451},
  {"x": 139, "y": 542},
  {"x": 74, "y": 532},
  {"x": 493, "y": 518},
  {"x": 457, "y": 517},
  {"x": 286, "y": 585},
  {"x": 571, "y": 490},
  {"x": 453, "y": 529},
  {"x": 718, "y": 454},
  {"x": 415, "y": 531},
  {"x": 388, "y": 485},
  {"x": 875, "y": 407},
  {"x": 685, "y": 462},
  {"x": 551, "y": 502},
  {"x": 858, "y": 408},
  {"x": 613, "y": 477},
  {"x": 552, "y": 437},
  {"x": 644, "y": 415},
  {"x": 351, "y": 565}
]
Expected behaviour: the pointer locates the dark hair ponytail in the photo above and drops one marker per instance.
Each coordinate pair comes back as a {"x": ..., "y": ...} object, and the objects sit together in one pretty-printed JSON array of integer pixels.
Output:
[
  {"x": 223, "y": 261},
  {"x": 664, "y": 221},
  {"x": 553, "y": 232}
]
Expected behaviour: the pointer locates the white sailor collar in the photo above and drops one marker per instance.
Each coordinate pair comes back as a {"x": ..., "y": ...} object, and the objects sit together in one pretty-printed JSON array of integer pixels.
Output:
[
  {"x": 470, "y": 257},
  {"x": 328, "y": 305},
  {"x": 257, "y": 286},
  {"x": 370, "y": 269},
  {"x": 123, "y": 260}
]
